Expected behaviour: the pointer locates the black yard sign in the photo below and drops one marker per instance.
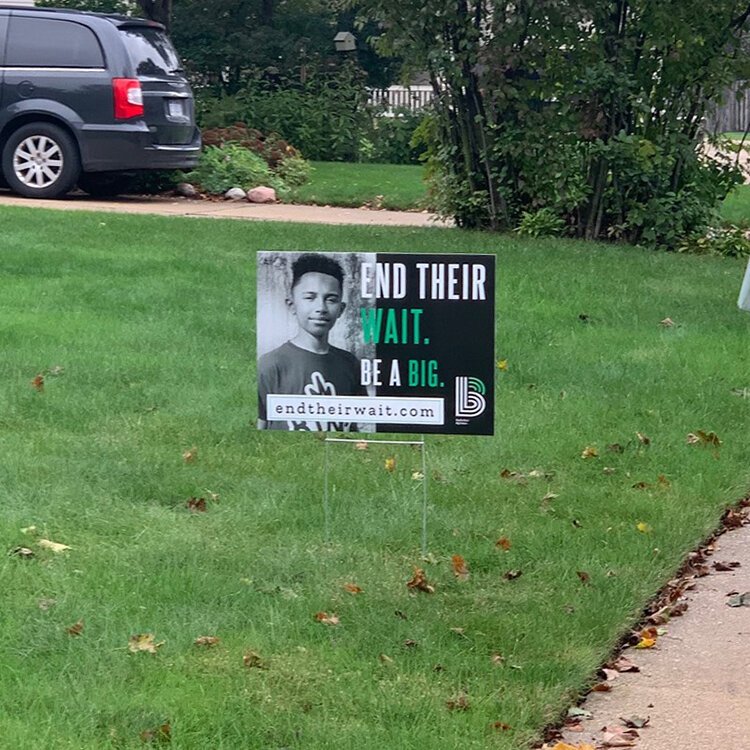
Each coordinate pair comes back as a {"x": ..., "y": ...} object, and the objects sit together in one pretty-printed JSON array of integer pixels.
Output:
[{"x": 385, "y": 342}]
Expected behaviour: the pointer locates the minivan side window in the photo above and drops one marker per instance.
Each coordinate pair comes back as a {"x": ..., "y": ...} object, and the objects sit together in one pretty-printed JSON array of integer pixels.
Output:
[{"x": 48, "y": 43}]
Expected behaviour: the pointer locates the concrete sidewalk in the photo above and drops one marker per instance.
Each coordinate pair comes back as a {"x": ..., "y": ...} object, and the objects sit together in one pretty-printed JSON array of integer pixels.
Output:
[
  {"x": 694, "y": 684},
  {"x": 192, "y": 207}
]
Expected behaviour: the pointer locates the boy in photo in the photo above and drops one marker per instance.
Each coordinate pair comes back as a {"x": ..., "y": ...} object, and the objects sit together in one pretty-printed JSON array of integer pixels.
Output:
[{"x": 308, "y": 364}]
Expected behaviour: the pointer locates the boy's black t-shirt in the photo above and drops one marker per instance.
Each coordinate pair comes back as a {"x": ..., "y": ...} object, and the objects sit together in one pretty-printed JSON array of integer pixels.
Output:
[{"x": 295, "y": 371}]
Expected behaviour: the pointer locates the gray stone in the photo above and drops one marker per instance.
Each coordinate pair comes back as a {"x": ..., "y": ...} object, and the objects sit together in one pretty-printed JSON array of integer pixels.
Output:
[
  {"x": 186, "y": 190},
  {"x": 235, "y": 194}
]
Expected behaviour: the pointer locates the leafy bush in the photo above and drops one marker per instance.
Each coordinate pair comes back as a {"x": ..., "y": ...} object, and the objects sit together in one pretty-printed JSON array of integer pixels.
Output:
[
  {"x": 542, "y": 223},
  {"x": 231, "y": 165},
  {"x": 392, "y": 140},
  {"x": 282, "y": 158},
  {"x": 730, "y": 241},
  {"x": 324, "y": 115}
]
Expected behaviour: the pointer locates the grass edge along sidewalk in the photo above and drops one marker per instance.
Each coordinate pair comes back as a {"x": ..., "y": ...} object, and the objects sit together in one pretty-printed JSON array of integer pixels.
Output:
[{"x": 582, "y": 506}]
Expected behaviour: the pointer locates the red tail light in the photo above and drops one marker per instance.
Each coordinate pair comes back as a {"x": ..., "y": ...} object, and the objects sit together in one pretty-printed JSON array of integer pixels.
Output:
[{"x": 128, "y": 98}]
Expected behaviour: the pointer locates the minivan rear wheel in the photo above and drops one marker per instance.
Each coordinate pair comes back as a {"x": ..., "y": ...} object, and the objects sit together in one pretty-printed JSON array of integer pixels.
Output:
[{"x": 40, "y": 160}]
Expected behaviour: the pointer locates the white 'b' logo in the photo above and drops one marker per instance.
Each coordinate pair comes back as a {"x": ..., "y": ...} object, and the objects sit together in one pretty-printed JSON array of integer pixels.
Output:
[{"x": 470, "y": 400}]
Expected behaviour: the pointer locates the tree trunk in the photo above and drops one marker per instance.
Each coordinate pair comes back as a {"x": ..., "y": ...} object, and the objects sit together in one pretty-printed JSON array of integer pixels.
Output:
[{"x": 157, "y": 10}]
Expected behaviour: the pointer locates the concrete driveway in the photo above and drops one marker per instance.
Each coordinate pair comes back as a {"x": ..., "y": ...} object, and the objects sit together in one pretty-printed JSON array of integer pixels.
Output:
[{"x": 230, "y": 210}]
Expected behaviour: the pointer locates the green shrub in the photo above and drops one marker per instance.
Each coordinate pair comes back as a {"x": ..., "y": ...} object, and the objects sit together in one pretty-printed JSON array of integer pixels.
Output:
[
  {"x": 730, "y": 241},
  {"x": 392, "y": 139},
  {"x": 232, "y": 165},
  {"x": 324, "y": 116},
  {"x": 283, "y": 159},
  {"x": 541, "y": 223}
]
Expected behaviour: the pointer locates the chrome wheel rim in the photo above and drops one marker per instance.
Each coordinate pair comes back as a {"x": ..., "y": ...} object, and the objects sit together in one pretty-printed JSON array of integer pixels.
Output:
[{"x": 37, "y": 161}]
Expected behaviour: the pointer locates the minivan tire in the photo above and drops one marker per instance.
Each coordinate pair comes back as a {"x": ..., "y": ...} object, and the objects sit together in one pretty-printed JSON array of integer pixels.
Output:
[{"x": 41, "y": 160}]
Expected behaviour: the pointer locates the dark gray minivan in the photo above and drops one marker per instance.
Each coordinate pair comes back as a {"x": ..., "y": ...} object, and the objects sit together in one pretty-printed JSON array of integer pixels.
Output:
[{"x": 87, "y": 98}]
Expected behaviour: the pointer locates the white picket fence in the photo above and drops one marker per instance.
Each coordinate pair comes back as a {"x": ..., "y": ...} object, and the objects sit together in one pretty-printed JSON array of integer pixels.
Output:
[{"x": 411, "y": 98}]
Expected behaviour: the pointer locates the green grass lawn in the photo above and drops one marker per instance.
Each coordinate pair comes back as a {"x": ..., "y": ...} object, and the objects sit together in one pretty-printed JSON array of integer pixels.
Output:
[
  {"x": 143, "y": 329},
  {"x": 392, "y": 186},
  {"x": 736, "y": 207}
]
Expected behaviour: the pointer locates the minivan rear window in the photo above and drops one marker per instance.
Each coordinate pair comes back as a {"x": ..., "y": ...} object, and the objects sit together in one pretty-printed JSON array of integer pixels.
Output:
[
  {"x": 150, "y": 51},
  {"x": 49, "y": 43}
]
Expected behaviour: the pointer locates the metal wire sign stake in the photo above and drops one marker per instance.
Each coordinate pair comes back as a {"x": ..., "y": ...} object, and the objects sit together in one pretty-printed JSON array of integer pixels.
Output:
[{"x": 412, "y": 443}]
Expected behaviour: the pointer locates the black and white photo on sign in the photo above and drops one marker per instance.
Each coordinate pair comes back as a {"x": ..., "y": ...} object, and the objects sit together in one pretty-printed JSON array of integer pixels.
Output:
[{"x": 309, "y": 336}]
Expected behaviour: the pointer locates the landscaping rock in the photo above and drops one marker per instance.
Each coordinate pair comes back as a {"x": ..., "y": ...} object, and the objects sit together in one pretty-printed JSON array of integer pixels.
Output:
[
  {"x": 262, "y": 195},
  {"x": 186, "y": 190},
  {"x": 235, "y": 194}
]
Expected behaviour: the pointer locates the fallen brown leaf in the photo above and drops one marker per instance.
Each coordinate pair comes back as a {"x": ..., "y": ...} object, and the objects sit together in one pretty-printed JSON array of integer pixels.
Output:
[
  {"x": 24, "y": 552},
  {"x": 601, "y": 687},
  {"x": 458, "y": 702},
  {"x": 75, "y": 629},
  {"x": 584, "y": 577},
  {"x": 733, "y": 520},
  {"x": 38, "y": 383},
  {"x": 361, "y": 445},
  {"x": 53, "y": 546},
  {"x": 514, "y": 476},
  {"x": 643, "y": 439},
  {"x": 352, "y": 588},
  {"x": 196, "y": 504},
  {"x": 418, "y": 582},
  {"x": 460, "y": 569},
  {"x": 589, "y": 451},
  {"x": 190, "y": 455},
  {"x": 724, "y": 567},
  {"x": 623, "y": 664},
  {"x": 251, "y": 660},
  {"x": 500, "y": 726},
  {"x": 619, "y": 737},
  {"x": 511, "y": 575},
  {"x": 143, "y": 642},
  {"x": 635, "y": 722},
  {"x": 327, "y": 619},
  {"x": 503, "y": 543},
  {"x": 385, "y": 659},
  {"x": 666, "y": 323},
  {"x": 699, "y": 437},
  {"x": 206, "y": 640},
  {"x": 162, "y": 734},
  {"x": 739, "y": 600},
  {"x": 497, "y": 659}
]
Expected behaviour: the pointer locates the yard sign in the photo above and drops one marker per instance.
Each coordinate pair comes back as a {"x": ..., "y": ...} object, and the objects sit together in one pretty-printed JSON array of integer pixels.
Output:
[{"x": 365, "y": 342}]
